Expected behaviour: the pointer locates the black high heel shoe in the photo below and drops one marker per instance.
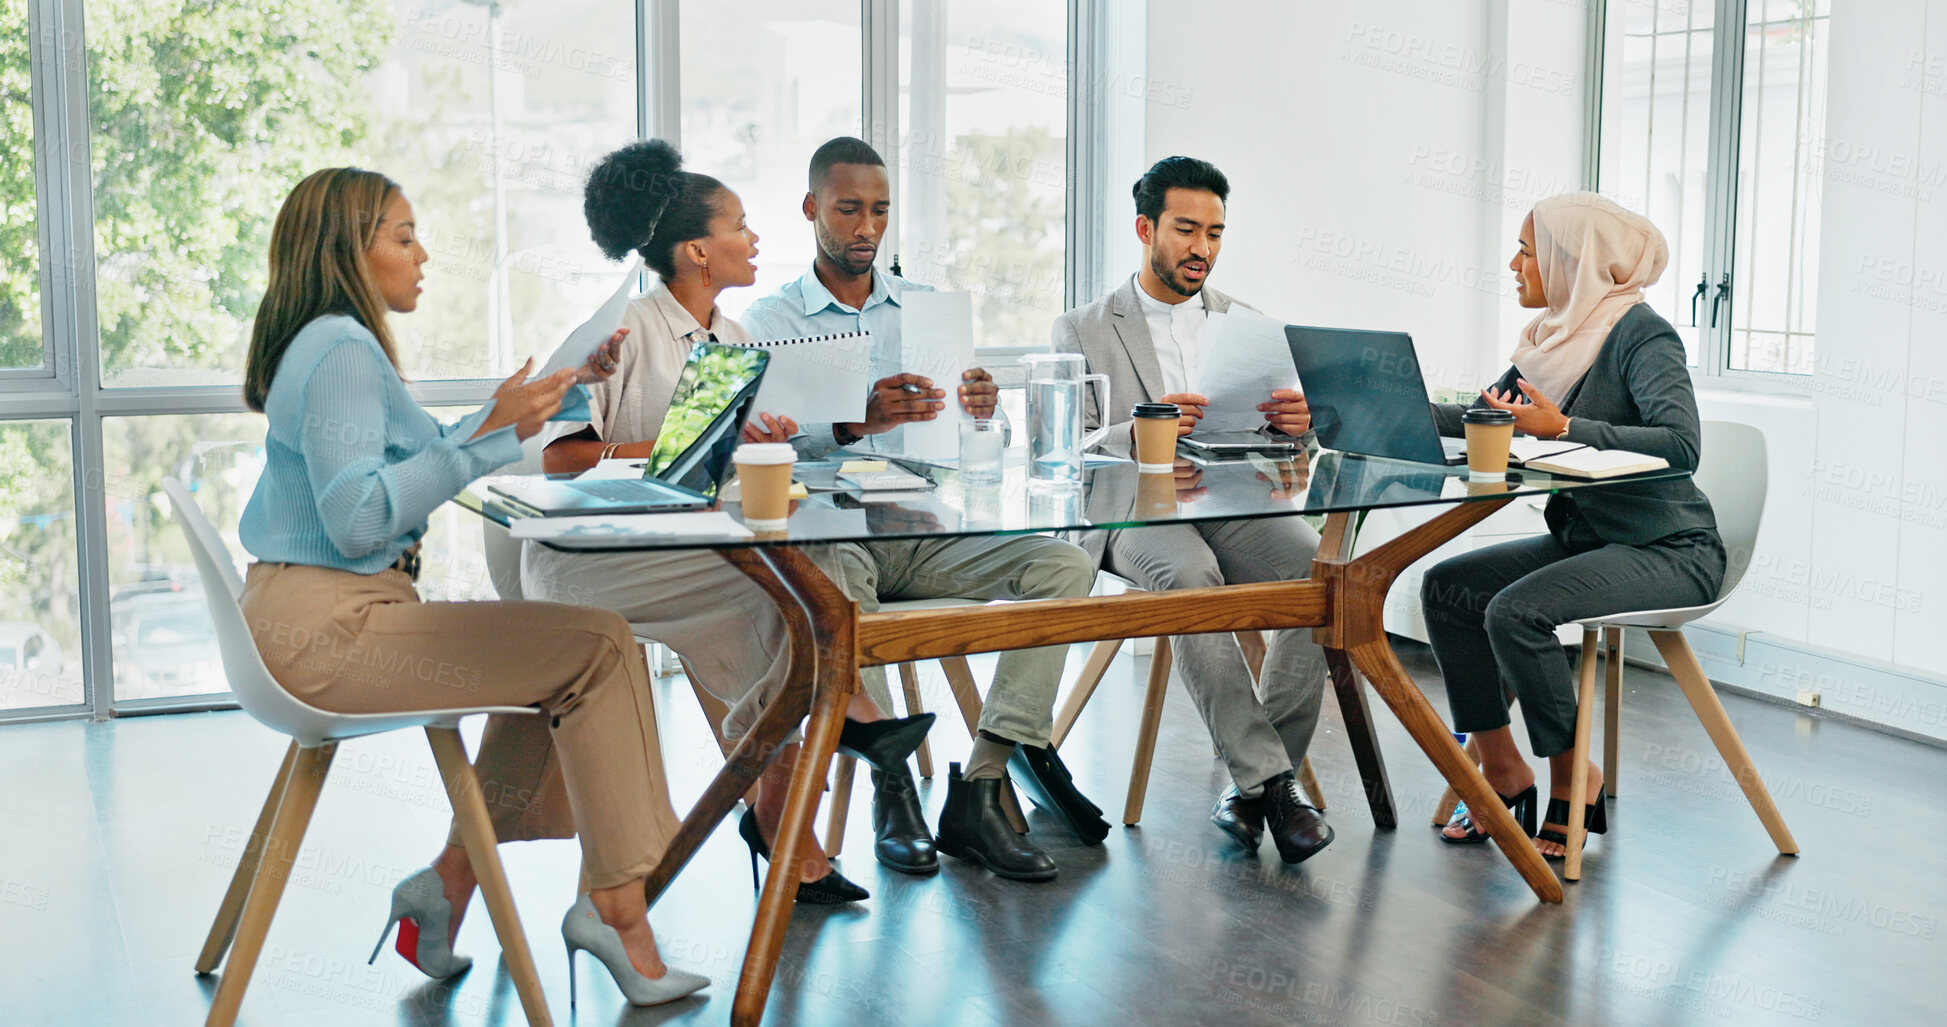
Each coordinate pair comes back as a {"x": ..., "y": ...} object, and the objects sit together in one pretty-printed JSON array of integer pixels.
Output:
[
  {"x": 1521, "y": 803},
  {"x": 1595, "y": 818},
  {"x": 884, "y": 743},
  {"x": 828, "y": 890}
]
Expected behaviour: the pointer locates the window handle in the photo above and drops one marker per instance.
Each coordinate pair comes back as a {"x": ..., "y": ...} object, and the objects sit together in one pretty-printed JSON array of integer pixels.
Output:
[
  {"x": 1703, "y": 286},
  {"x": 1723, "y": 293}
]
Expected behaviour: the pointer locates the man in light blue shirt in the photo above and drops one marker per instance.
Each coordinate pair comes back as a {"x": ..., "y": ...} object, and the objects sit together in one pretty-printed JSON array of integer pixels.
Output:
[{"x": 848, "y": 205}]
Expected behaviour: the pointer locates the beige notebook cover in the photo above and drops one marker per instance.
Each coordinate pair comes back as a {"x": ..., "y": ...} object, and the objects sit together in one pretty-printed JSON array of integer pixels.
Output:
[{"x": 1597, "y": 463}]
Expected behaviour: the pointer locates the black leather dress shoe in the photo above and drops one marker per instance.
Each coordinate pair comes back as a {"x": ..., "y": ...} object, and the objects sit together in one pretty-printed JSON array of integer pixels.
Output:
[
  {"x": 1299, "y": 830},
  {"x": 973, "y": 826},
  {"x": 1241, "y": 818},
  {"x": 1042, "y": 775},
  {"x": 902, "y": 841}
]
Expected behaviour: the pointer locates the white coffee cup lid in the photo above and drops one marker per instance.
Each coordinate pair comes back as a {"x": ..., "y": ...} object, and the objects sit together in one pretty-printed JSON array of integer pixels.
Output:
[{"x": 765, "y": 453}]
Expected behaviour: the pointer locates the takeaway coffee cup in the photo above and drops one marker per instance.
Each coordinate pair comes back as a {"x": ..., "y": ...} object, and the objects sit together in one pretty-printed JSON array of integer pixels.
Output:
[
  {"x": 1489, "y": 434},
  {"x": 1155, "y": 431},
  {"x": 764, "y": 476}
]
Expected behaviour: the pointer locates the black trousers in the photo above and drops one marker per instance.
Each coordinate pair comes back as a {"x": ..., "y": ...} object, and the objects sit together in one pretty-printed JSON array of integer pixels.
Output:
[{"x": 1491, "y": 616}]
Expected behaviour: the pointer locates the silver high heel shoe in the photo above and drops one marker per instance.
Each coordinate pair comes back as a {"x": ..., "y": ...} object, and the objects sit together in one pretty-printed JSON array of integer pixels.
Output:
[
  {"x": 424, "y": 917},
  {"x": 582, "y": 929}
]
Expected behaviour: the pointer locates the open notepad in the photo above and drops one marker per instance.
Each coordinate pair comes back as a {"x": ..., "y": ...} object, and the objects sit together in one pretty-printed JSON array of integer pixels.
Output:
[
  {"x": 1588, "y": 462},
  {"x": 819, "y": 379}
]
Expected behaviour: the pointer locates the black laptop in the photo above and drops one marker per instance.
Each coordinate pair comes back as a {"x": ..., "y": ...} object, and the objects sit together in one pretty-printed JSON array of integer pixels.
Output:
[
  {"x": 714, "y": 397},
  {"x": 1367, "y": 395}
]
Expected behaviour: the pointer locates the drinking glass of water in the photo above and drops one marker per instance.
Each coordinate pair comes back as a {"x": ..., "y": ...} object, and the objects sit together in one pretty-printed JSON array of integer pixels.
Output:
[{"x": 980, "y": 450}]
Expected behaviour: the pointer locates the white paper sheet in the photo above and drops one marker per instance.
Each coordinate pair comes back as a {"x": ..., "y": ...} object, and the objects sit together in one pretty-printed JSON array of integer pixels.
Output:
[
  {"x": 936, "y": 340},
  {"x": 1244, "y": 358},
  {"x": 574, "y": 351},
  {"x": 701, "y": 524},
  {"x": 819, "y": 379}
]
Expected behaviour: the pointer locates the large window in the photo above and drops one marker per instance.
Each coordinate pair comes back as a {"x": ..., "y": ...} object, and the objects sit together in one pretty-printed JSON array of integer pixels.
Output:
[
  {"x": 1714, "y": 127},
  {"x": 148, "y": 147},
  {"x": 204, "y": 115},
  {"x": 983, "y": 99},
  {"x": 40, "y": 626},
  {"x": 763, "y": 85},
  {"x": 20, "y": 244}
]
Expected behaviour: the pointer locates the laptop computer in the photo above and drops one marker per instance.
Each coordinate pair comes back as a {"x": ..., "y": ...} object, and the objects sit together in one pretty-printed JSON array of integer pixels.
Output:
[
  {"x": 1367, "y": 395},
  {"x": 714, "y": 396}
]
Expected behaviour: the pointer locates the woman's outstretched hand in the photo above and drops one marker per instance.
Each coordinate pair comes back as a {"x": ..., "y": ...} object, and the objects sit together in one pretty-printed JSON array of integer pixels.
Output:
[
  {"x": 527, "y": 405},
  {"x": 1536, "y": 415}
]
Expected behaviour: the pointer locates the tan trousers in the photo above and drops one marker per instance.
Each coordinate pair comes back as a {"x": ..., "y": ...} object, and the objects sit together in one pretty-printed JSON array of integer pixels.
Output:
[{"x": 364, "y": 643}]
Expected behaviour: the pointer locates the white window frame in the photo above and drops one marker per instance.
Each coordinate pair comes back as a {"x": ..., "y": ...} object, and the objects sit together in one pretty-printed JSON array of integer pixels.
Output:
[{"x": 1713, "y": 368}]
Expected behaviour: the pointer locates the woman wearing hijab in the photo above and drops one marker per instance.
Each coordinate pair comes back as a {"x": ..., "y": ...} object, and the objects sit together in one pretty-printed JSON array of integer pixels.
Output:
[{"x": 1599, "y": 367}]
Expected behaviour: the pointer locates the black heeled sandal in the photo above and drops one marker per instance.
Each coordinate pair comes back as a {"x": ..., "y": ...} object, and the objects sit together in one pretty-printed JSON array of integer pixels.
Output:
[
  {"x": 829, "y": 890},
  {"x": 1595, "y": 819},
  {"x": 1521, "y": 803},
  {"x": 884, "y": 744}
]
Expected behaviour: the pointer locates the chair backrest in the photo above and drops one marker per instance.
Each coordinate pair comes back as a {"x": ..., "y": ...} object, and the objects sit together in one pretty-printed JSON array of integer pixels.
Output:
[
  {"x": 503, "y": 551},
  {"x": 259, "y": 693},
  {"x": 1733, "y": 474}
]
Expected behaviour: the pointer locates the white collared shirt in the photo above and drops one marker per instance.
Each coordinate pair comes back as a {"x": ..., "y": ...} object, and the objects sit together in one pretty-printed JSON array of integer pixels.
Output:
[{"x": 1177, "y": 331}]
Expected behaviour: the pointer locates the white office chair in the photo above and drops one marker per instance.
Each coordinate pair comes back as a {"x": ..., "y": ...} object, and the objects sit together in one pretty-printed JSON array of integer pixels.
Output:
[
  {"x": 1097, "y": 665},
  {"x": 1732, "y": 473},
  {"x": 243, "y": 919}
]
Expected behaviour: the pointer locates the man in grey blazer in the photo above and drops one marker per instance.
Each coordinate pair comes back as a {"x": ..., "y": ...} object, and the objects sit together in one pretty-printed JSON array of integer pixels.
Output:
[{"x": 1147, "y": 336}]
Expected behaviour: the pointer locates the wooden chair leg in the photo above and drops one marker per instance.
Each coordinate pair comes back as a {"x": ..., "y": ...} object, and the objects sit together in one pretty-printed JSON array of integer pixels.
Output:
[
  {"x": 225, "y": 927},
  {"x": 1093, "y": 669},
  {"x": 1308, "y": 780},
  {"x": 966, "y": 695},
  {"x": 286, "y": 836},
  {"x": 1612, "y": 661},
  {"x": 843, "y": 769},
  {"x": 1450, "y": 799},
  {"x": 909, "y": 683},
  {"x": 1703, "y": 699},
  {"x": 482, "y": 850},
  {"x": 1578, "y": 779},
  {"x": 1152, "y": 718}
]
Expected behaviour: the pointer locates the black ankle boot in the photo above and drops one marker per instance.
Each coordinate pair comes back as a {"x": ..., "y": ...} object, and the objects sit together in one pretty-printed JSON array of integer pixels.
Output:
[
  {"x": 899, "y": 824},
  {"x": 884, "y": 743},
  {"x": 1042, "y": 775},
  {"x": 973, "y": 826}
]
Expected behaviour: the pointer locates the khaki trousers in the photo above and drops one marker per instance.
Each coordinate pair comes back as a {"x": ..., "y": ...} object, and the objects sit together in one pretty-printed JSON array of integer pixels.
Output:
[{"x": 365, "y": 643}]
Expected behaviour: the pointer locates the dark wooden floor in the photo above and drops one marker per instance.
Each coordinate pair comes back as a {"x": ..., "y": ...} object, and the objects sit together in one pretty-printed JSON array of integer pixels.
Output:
[{"x": 116, "y": 841}]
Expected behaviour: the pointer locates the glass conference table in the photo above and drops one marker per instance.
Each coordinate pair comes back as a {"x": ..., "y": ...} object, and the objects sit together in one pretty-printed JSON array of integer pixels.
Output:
[{"x": 1342, "y": 601}]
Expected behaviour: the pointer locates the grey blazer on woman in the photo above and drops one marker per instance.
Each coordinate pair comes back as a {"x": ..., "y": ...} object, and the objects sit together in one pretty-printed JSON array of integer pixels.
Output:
[{"x": 1636, "y": 396}]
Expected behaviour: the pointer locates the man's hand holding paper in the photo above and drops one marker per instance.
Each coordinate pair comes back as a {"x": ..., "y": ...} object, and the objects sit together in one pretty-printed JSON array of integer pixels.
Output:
[{"x": 1245, "y": 360}]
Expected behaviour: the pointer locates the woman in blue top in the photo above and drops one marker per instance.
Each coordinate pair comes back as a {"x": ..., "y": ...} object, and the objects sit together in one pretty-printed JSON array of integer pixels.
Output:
[{"x": 354, "y": 467}]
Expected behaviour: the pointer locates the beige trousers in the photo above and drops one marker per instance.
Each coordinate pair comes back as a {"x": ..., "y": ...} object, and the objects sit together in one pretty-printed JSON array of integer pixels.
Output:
[{"x": 365, "y": 643}]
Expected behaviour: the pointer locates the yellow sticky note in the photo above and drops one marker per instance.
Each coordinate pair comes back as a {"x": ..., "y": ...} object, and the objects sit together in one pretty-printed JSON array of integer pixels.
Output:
[{"x": 861, "y": 466}]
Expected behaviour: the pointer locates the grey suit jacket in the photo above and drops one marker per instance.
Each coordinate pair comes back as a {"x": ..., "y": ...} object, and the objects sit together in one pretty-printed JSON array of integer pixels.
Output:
[
  {"x": 1113, "y": 335},
  {"x": 1636, "y": 396}
]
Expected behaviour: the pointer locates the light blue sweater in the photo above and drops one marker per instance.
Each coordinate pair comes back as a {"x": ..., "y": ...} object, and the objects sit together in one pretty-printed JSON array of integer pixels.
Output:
[{"x": 353, "y": 465}]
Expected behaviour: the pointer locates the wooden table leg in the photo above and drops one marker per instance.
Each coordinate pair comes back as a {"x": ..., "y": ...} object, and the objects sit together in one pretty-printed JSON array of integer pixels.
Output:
[
  {"x": 759, "y": 746},
  {"x": 833, "y": 622},
  {"x": 1360, "y": 731},
  {"x": 1358, "y": 589}
]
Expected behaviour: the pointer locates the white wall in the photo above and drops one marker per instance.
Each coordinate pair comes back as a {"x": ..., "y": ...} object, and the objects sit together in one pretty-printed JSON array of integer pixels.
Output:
[{"x": 1382, "y": 156}]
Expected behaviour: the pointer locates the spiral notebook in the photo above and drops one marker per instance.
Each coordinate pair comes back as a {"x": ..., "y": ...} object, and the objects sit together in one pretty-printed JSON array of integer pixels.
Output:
[{"x": 819, "y": 379}]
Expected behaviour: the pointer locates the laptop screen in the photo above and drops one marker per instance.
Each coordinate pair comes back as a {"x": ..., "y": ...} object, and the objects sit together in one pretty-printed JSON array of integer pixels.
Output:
[
  {"x": 1366, "y": 392},
  {"x": 706, "y": 414}
]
